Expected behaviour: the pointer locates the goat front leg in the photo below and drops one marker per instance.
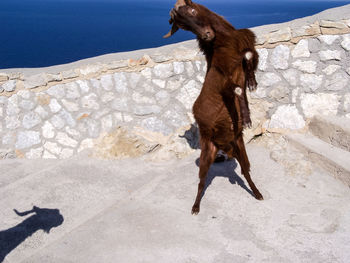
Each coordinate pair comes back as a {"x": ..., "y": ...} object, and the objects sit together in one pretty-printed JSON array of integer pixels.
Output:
[
  {"x": 208, "y": 153},
  {"x": 250, "y": 62},
  {"x": 244, "y": 107}
]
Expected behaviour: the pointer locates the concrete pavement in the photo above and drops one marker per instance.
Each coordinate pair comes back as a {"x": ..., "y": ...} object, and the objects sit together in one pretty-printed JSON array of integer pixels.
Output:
[{"x": 137, "y": 211}]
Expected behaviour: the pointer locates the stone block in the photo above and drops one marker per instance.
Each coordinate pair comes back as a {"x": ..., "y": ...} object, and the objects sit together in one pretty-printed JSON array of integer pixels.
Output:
[
  {"x": 291, "y": 76},
  {"x": 48, "y": 130},
  {"x": 84, "y": 86},
  {"x": 9, "y": 86},
  {"x": 329, "y": 70},
  {"x": 282, "y": 35},
  {"x": 287, "y": 117},
  {"x": 305, "y": 66},
  {"x": 327, "y": 55},
  {"x": 65, "y": 140},
  {"x": 307, "y": 30},
  {"x": 263, "y": 55},
  {"x": 27, "y": 139},
  {"x": 31, "y": 120},
  {"x": 269, "y": 79},
  {"x": 319, "y": 104},
  {"x": 35, "y": 81},
  {"x": 91, "y": 69},
  {"x": 328, "y": 39},
  {"x": 163, "y": 71},
  {"x": 280, "y": 57},
  {"x": 311, "y": 82},
  {"x": 301, "y": 50},
  {"x": 121, "y": 84},
  {"x": 337, "y": 81},
  {"x": 69, "y": 74},
  {"x": 57, "y": 91},
  {"x": 189, "y": 93},
  {"x": 346, "y": 42},
  {"x": 3, "y": 77},
  {"x": 107, "y": 82}
]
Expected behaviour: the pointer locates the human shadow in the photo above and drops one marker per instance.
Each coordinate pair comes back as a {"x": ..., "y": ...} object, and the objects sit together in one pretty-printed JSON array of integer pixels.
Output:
[
  {"x": 43, "y": 219},
  {"x": 224, "y": 169}
]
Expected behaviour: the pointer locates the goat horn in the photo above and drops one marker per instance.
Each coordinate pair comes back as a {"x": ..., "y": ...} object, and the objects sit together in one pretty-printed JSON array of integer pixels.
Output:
[
  {"x": 23, "y": 213},
  {"x": 172, "y": 31}
]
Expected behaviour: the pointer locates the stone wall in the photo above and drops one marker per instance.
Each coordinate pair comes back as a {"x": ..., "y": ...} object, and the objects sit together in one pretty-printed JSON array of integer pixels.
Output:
[{"x": 56, "y": 112}]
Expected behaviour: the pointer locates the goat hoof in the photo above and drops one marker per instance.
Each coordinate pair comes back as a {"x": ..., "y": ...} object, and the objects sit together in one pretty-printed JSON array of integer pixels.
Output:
[
  {"x": 259, "y": 196},
  {"x": 247, "y": 124},
  {"x": 195, "y": 210}
]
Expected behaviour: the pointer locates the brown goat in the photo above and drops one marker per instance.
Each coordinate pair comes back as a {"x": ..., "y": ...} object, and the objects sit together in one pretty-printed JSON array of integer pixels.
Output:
[{"x": 222, "y": 103}]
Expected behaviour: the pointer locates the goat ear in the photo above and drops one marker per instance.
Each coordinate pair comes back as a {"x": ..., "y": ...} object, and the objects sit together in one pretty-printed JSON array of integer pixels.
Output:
[
  {"x": 172, "y": 31},
  {"x": 188, "y": 2}
]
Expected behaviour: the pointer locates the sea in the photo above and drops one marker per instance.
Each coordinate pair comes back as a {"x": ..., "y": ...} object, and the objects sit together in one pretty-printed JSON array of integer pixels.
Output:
[{"x": 40, "y": 33}]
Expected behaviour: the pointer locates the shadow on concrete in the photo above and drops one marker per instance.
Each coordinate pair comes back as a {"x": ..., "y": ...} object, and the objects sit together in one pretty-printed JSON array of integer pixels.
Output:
[
  {"x": 192, "y": 136},
  {"x": 224, "y": 169},
  {"x": 42, "y": 219}
]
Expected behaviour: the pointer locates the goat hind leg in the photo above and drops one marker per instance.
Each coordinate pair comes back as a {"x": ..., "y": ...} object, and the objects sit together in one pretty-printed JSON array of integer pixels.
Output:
[
  {"x": 245, "y": 166},
  {"x": 207, "y": 157}
]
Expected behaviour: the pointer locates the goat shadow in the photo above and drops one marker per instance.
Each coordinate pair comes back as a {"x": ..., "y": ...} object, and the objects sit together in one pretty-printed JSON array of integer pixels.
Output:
[
  {"x": 224, "y": 169},
  {"x": 43, "y": 219}
]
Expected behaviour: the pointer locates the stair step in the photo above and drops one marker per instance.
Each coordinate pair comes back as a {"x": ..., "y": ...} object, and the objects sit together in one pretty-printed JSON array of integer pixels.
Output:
[
  {"x": 329, "y": 157},
  {"x": 332, "y": 129}
]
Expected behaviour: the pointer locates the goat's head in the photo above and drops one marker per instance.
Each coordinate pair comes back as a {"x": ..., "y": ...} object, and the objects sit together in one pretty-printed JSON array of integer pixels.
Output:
[{"x": 191, "y": 17}]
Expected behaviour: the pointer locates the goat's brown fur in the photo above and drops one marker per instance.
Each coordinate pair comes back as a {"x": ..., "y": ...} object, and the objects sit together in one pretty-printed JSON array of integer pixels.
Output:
[{"x": 219, "y": 110}]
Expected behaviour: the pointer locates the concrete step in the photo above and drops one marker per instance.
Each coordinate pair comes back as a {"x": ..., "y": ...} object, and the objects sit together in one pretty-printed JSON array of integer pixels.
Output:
[
  {"x": 332, "y": 129},
  {"x": 14, "y": 170},
  {"x": 333, "y": 159}
]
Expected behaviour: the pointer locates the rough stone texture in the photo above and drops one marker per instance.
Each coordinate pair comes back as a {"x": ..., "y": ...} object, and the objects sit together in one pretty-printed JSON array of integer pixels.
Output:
[
  {"x": 321, "y": 103},
  {"x": 311, "y": 82},
  {"x": 65, "y": 140},
  {"x": 305, "y": 66},
  {"x": 27, "y": 139},
  {"x": 69, "y": 74},
  {"x": 328, "y": 39},
  {"x": 54, "y": 106},
  {"x": 269, "y": 79},
  {"x": 329, "y": 70},
  {"x": 287, "y": 117},
  {"x": 56, "y": 91},
  {"x": 35, "y": 81},
  {"x": 263, "y": 56},
  {"x": 307, "y": 30},
  {"x": 48, "y": 130},
  {"x": 281, "y": 35},
  {"x": 107, "y": 82},
  {"x": 292, "y": 76},
  {"x": 72, "y": 91},
  {"x": 120, "y": 83},
  {"x": 31, "y": 120},
  {"x": 84, "y": 86},
  {"x": 301, "y": 50},
  {"x": 163, "y": 71},
  {"x": 90, "y": 102},
  {"x": 338, "y": 81},
  {"x": 91, "y": 69},
  {"x": 346, "y": 42},
  {"x": 189, "y": 93},
  {"x": 330, "y": 55},
  {"x": 9, "y": 85},
  {"x": 280, "y": 57}
]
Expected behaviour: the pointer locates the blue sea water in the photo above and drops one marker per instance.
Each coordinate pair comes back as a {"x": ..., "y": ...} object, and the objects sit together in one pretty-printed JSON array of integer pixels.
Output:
[{"x": 37, "y": 33}]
